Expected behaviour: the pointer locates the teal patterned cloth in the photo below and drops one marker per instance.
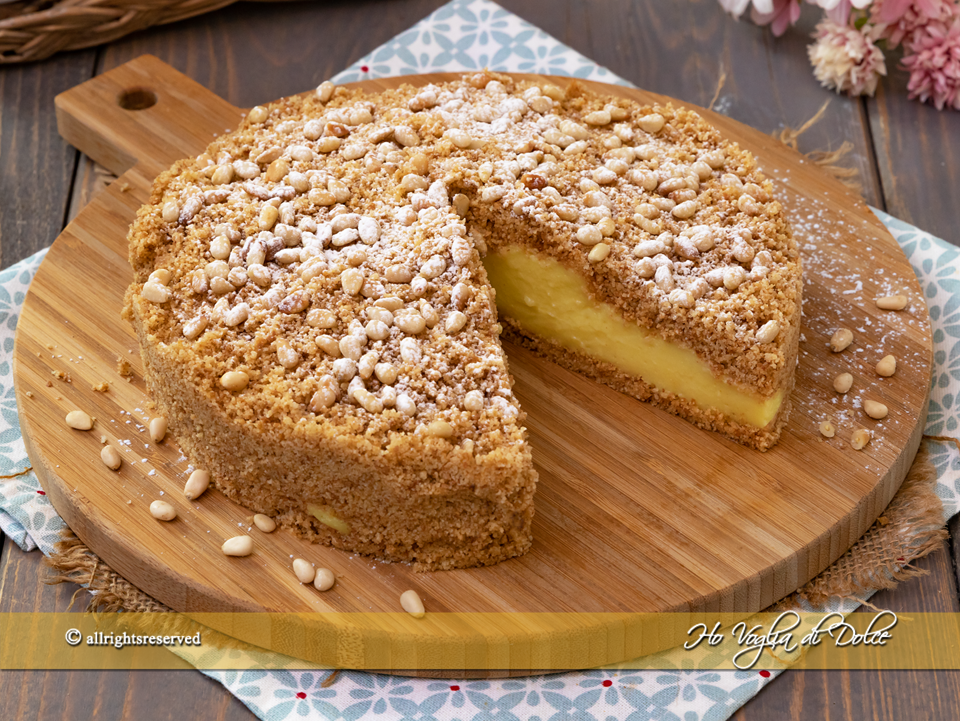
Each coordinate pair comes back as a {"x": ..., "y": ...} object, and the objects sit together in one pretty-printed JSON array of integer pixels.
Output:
[{"x": 469, "y": 35}]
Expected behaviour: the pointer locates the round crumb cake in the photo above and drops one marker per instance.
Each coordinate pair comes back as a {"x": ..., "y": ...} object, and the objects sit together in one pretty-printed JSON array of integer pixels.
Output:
[{"x": 318, "y": 326}]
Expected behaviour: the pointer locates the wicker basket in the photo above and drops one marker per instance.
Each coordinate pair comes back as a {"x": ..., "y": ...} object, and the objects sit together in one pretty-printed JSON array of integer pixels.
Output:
[{"x": 36, "y": 30}]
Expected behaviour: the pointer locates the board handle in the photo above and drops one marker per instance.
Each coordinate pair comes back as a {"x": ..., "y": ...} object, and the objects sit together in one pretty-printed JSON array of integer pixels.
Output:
[{"x": 145, "y": 112}]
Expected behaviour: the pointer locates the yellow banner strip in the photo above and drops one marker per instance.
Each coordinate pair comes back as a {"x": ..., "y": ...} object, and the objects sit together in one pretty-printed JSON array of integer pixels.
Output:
[{"x": 396, "y": 642}]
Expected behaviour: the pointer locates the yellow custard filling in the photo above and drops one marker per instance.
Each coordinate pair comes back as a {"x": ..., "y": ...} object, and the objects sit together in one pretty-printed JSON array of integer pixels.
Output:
[{"x": 551, "y": 301}]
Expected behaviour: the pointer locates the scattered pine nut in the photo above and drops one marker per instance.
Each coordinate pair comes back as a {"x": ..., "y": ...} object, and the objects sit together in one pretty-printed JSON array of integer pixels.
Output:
[
  {"x": 162, "y": 511},
  {"x": 440, "y": 429},
  {"x": 158, "y": 428},
  {"x": 238, "y": 546},
  {"x": 304, "y": 571},
  {"x": 235, "y": 380},
  {"x": 875, "y": 410},
  {"x": 110, "y": 457},
  {"x": 887, "y": 366},
  {"x": 842, "y": 383},
  {"x": 412, "y": 604},
  {"x": 196, "y": 484},
  {"x": 324, "y": 579},
  {"x": 892, "y": 302},
  {"x": 264, "y": 523},
  {"x": 828, "y": 429},
  {"x": 841, "y": 339},
  {"x": 79, "y": 420},
  {"x": 860, "y": 438}
]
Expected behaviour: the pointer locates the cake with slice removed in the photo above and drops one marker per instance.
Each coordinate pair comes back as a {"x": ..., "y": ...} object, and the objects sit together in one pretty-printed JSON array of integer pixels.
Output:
[{"x": 314, "y": 306}]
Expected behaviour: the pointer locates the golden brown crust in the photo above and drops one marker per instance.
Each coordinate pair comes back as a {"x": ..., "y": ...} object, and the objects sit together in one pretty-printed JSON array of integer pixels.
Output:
[{"x": 314, "y": 316}]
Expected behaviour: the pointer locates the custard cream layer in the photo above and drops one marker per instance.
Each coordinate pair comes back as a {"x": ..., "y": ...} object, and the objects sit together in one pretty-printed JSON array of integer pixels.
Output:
[{"x": 551, "y": 301}]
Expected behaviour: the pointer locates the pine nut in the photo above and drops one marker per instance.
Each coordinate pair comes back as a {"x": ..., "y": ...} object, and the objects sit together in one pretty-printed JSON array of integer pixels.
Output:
[
  {"x": 386, "y": 373},
  {"x": 162, "y": 511},
  {"x": 155, "y": 293},
  {"x": 652, "y": 123},
  {"x": 440, "y": 429},
  {"x": 351, "y": 280},
  {"x": 369, "y": 230},
  {"x": 326, "y": 396},
  {"x": 598, "y": 253},
  {"x": 473, "y": 401},
  {"x": 369, "y": 402},
  {"x": 685, "y": 210},
  {"x": 234, "y": 380},
  {"x": 892, "y": 302},
  {"x": 663, "y": 277},
  {"x": 236, "y": 315},
  {"x": 887, "y": 366},
  {"x": 411, "y": 603},
  {"x": 257, "y": 114},
  {"x": 842, "y": 383},
  {"x": 455, "y": 321},
  {"x": 158, "y": 428},
  {"x": 196, "y": 484},
  {"x": 264, "y": 523},
  {"x": 748, "y": 205},
  {"x": 220, "y": 247},
  {"x": 861, "y": 437},
  {"x": 110, "y": 457},
  {"x": 715, "y": 159},
  {"x": 433, "y": 268},
  {"x": 222, "y": 175},
  {"x": 648, "y": 248},
  {"x": 589, "y": 235},
  {"x": 406, "y": 405},
  {"x": 170, "y": 212},
  {"x": 768, "y": 332},
  {"x": 702, "y": 169},
  {"x": 841, "y": 339},
  {"x": 79, "y": 420},
  {"x": 325, "y": 91},
  {"x": 828, "y": 429},
  {"x": 287, "y": 356},
  {"x": 733, "y": 277},
  {"x": 344, "y": 369},
  {"x": 875, "y": 410},
  {"x": 406, "y": 136},
  {"x": 328, "y": 144},
  {"x": 304, "y": 571},
  {"x": 324, "y": 579},
  {"x": 161, "y": 276},
  {"x": 598, "y": 117},
  {"x": 682, "y": 298},
  {"x": 410, "y": 322},
  {"x": 238, "y": 546},
  {"x": 268, "y": 217}
]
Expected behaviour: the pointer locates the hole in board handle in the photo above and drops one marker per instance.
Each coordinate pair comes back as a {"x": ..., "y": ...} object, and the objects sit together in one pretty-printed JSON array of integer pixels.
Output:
[{"x": 137, "y": 99}]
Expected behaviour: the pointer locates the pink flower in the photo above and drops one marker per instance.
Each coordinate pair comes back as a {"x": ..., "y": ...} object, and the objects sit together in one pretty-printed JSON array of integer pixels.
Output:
[
  {"x": 839, "y": 10},
  {"x": 846, "y": 59},
  {"x": 897, "y": 19},
  {"x": 778, "y": 14},
  {"x": 933, "y": 59},
  {"x": 735, "y": 7}
]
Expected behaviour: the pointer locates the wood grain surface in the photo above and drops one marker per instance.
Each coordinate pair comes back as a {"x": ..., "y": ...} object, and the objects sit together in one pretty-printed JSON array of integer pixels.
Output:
[
  {"x": 235, "y": 53},
  {"x": 710, "y": 539}
]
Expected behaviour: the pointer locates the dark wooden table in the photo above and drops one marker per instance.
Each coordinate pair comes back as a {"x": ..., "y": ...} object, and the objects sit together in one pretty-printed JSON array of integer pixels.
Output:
[{"x": 907, "y": 157}]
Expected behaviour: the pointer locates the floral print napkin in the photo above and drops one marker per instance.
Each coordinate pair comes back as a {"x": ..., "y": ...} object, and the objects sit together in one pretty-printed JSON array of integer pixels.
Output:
[{"x": 471, "y": 35}]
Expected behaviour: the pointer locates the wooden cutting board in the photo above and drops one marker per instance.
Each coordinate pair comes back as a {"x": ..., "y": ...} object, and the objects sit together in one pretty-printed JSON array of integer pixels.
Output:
[{"x": 637, "y": 511}]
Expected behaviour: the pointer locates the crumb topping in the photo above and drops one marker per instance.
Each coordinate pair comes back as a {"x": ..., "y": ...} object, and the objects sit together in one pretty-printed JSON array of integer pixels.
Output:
[{"x": 323, "y": 262}]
